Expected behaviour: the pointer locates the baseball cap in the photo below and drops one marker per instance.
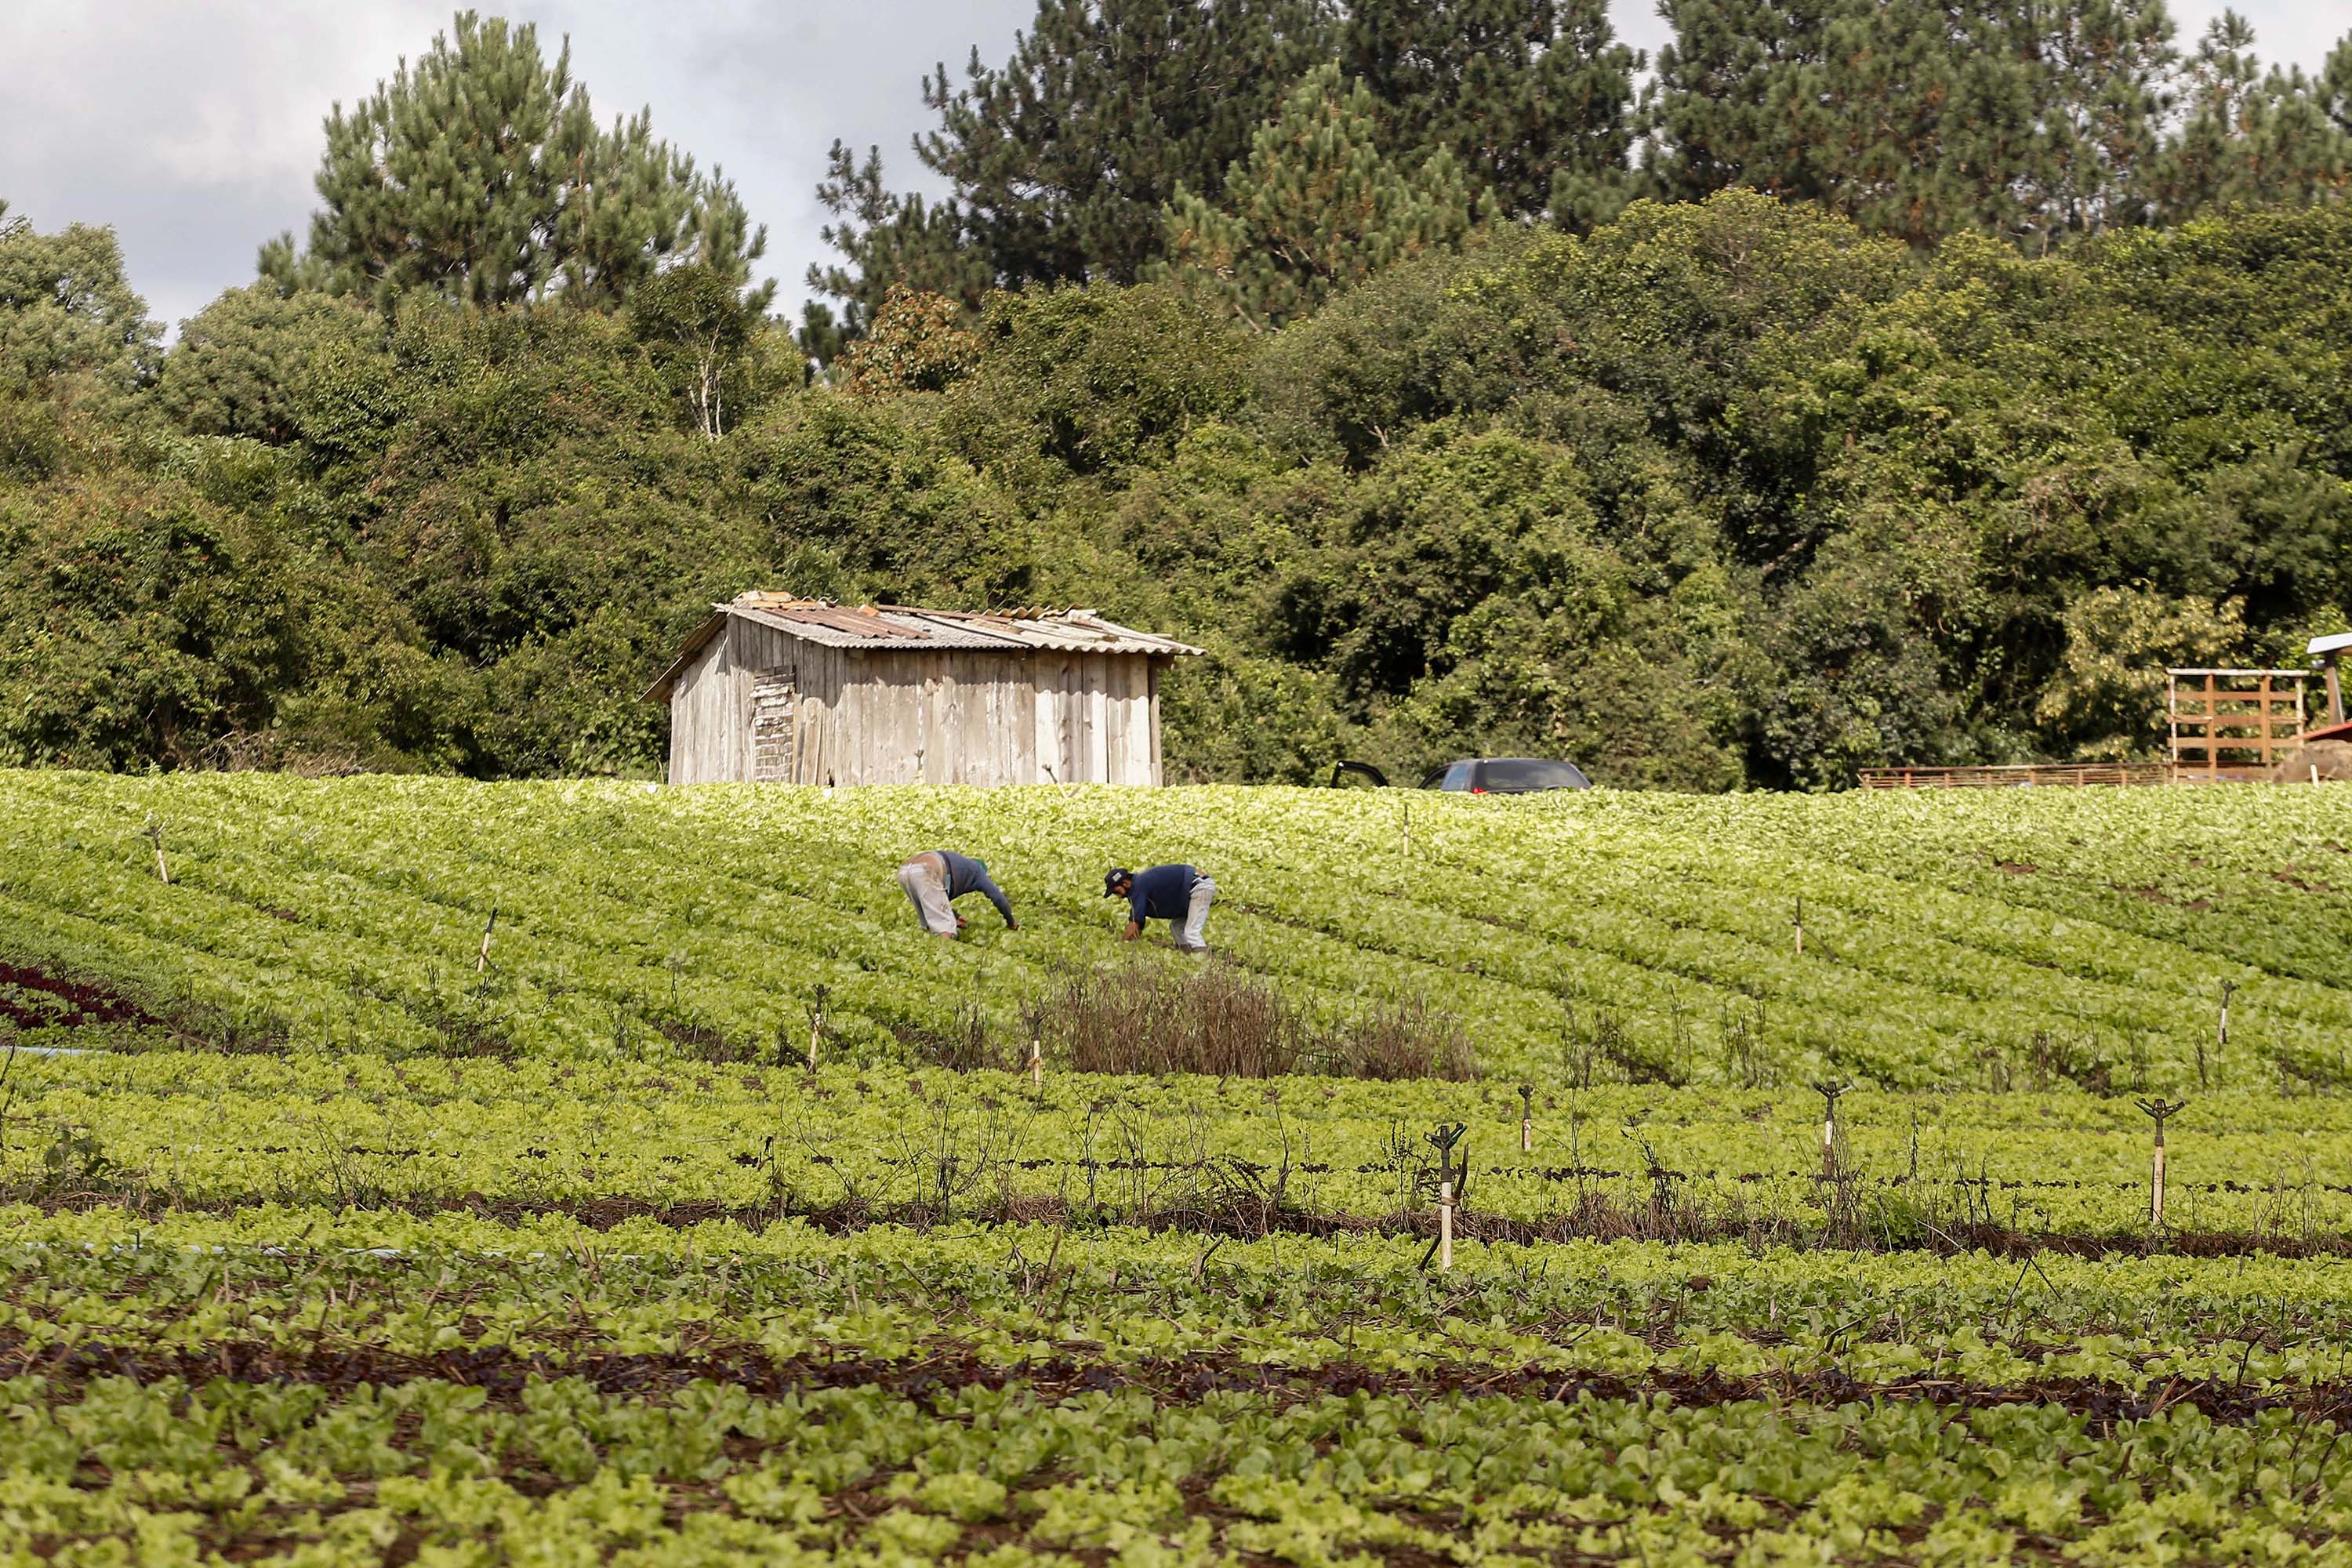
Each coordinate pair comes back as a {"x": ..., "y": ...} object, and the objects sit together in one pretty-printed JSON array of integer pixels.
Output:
[{"x": 1112, "y": 878}]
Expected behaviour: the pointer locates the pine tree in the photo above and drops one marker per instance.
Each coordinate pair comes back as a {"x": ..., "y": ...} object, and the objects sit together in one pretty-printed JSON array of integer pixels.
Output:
[
  {"x": 2335, "y": 89},
  {"x": 1316, "y": 206},
  {"x": 481, "y": 175},
  {"x": 1731, "y": 101},
  {"x": 1533, "y": 98},
  {"x": 2105, "y": 91},
  {"x": 1060, "y": 160},
  {"x": 2028, "y": 120},
  {"x": 889, "y": 241},
  {"x": 1937, "y": 116},
  {"x": 2253, "y": 137}
]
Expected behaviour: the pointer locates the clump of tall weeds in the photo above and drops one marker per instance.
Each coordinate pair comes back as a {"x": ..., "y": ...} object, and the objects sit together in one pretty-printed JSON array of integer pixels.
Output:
[{"x": 1214, "y": 1019}]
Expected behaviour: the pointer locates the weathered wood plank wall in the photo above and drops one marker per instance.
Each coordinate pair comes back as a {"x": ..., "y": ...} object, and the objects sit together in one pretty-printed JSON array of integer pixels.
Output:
[
  {"x": 701, "y": 719},
  {"x": 865, "y": 716}
]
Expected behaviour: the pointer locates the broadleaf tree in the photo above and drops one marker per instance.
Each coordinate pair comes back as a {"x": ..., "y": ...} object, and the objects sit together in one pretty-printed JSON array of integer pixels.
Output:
[
  {"x": 73, "y": 337},
  {"x": 695, "y": 329}
]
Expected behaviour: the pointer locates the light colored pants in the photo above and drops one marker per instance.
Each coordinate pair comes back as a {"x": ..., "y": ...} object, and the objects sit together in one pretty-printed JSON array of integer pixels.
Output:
[
  {"x": 1193, "y": 938},
  {"x": 925, "y": 877}
]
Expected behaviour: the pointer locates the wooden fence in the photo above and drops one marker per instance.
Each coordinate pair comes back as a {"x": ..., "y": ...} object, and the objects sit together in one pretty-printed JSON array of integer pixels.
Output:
[
  {"x": 2234, "y": 723},
  {"x": 2020, "y": 775}
]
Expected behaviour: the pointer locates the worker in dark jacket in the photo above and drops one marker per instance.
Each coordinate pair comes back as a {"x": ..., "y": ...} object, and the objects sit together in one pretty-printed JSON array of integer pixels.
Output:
[
  {"x": 936, "y": 878},
  {"x": 1177, "y": 894}
]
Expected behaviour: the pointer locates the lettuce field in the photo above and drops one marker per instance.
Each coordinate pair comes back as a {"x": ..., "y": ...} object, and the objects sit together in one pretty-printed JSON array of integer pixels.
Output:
[{"x": 404, "y": 1170}]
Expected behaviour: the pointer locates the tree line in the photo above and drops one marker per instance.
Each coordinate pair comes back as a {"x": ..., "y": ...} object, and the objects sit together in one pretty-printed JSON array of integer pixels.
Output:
[
  {"x": 1700, "y": 487},
  {"x": 1125, "y": 137}
]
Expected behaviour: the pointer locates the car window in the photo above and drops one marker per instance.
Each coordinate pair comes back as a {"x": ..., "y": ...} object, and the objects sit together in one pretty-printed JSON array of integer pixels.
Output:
[
  {"x": 1529, "y": 773},
  {"x": 1456, "y": 775}
]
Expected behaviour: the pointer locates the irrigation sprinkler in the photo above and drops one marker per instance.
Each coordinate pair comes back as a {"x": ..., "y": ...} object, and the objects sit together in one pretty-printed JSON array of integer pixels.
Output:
[
  {"x": 1798, "y": 924},
  {"x": 2158, "y": 1110},
  {"x": 816, "y": 1025},
  {"x": 2221, "y": 1031},
  {"x": 1527, "y": 1119},
  {"x": 482, "y": 958},
  {"x": 1037, "y": 1063}
]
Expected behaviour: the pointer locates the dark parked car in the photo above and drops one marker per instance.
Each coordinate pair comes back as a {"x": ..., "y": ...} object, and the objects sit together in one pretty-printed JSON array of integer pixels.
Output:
[
  {"x": 1476, "y": 775},
  {"x": 1507, "y": 775}
]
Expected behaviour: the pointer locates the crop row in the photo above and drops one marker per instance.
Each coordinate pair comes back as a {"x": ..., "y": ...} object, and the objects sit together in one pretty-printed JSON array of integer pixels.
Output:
[
  {"x": 554, "y": 1292},
  {"x": 288, "y": 1384},
  {"x": 557, "y": 1469},
  {"x": 630, "y": 919},
  {"x": 192, "y": 1130}
]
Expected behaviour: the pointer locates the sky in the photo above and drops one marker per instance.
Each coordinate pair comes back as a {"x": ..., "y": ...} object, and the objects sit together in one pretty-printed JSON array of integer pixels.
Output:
[{"x": 193, "y": 126}]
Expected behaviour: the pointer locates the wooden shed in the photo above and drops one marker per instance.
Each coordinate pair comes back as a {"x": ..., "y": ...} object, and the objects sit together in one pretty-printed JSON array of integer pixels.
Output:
[{"x": 774, "y": 688}]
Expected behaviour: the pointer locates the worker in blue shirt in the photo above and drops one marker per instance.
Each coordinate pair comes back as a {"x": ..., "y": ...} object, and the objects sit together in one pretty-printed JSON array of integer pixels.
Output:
[
  {"x": 1177, "y": 894},
  {"x": 936, "y": 878}
]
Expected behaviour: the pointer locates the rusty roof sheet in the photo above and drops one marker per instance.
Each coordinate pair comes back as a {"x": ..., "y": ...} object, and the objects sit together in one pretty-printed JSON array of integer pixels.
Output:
[{"x": 901, "y": 628}]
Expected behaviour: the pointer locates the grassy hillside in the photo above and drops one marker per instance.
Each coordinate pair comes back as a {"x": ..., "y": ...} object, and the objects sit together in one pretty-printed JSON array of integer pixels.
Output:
[{"x": 1993, "y": 940}]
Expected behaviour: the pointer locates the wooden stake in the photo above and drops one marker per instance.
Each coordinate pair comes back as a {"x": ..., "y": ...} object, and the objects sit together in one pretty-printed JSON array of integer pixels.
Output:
[
  {"x": 2158, "y": 1110},
  {"x": 1799, "y": 924},
  {"x": 1452, "y": 1178},
  {"x": 2221, "y": 1035},
  {"x": 154, "y": 831},
  {"x": 1829, "y": 1093},
  {"x": 1445, "y": 1226},
  {"x": 1037, "y": 1063},
  {"x": 1527, "y": 1119},
  {"x": 482, "y": 958},
  {"x": 816, "y": 1027}
]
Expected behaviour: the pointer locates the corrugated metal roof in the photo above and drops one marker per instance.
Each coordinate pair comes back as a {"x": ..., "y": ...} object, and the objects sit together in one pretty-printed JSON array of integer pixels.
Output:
[
  {"x": 897, "y": 626},
  {"x": 900, "y": 628}
]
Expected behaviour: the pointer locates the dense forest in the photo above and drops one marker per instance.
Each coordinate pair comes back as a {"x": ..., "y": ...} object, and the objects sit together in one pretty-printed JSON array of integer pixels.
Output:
[{"x": 1859, "y": 380}]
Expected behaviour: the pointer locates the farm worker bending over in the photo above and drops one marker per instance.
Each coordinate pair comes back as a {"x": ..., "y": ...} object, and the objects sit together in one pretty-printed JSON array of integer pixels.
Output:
[
  {"x": 936, "y": 878},
  {"x": 1177, "y": 894}
]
